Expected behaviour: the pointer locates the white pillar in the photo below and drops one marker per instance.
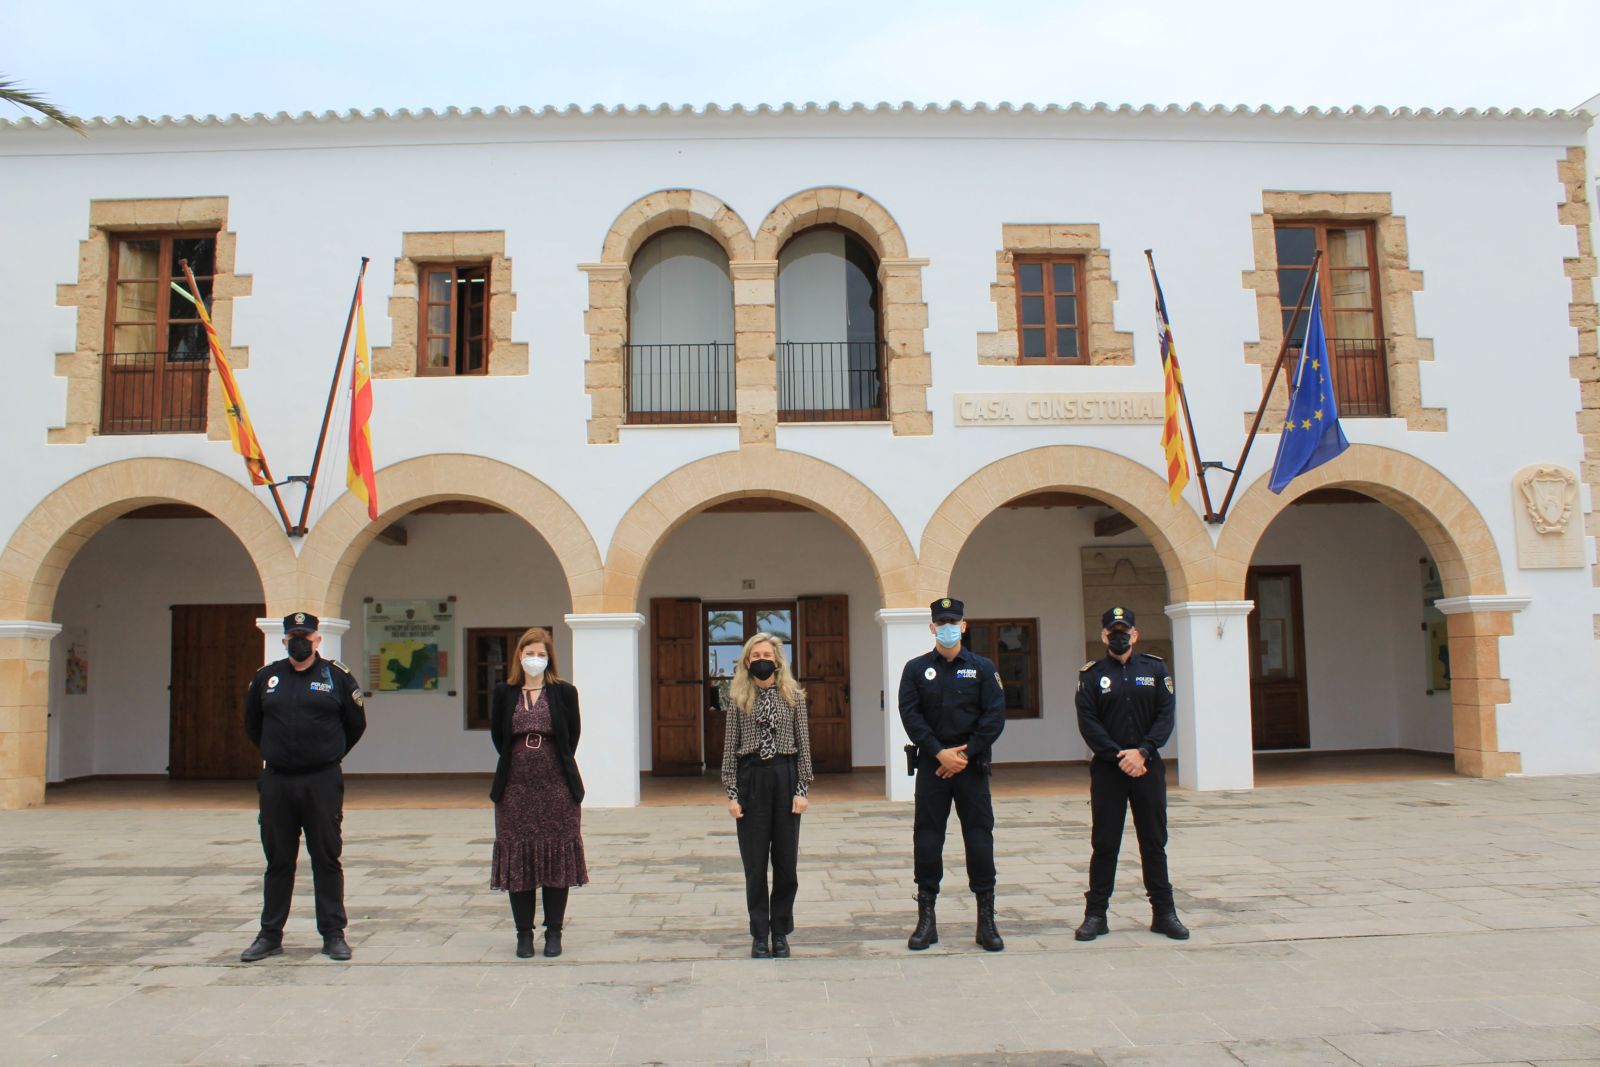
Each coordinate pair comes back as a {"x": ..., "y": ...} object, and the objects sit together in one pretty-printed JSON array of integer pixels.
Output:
[
  {"x": 332, "y": 631},
  {"x": 1211, "y": 669},
  {"x": 605, "y": 668},
  {"x": 905, "y": 634}
]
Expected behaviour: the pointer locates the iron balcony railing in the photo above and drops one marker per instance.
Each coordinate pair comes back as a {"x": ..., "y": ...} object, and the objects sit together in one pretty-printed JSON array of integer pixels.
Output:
[
  {"x": 830, "y": 381},
  {"x": 153, "y": 392},
  {"x": 1360, "y": 375},
  {"x": 680, "y": 383}
]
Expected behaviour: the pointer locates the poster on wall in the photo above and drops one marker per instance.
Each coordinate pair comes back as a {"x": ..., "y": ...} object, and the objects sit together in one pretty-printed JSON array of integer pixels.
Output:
[
  {"x": 409, "y": 645},
  {"x": 77, "y": 672},
  {"x": 1437, "y": 628}
]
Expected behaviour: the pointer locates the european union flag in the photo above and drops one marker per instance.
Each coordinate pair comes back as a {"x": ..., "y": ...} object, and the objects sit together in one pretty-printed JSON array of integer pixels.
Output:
[{"x": 1311, "y": 432}]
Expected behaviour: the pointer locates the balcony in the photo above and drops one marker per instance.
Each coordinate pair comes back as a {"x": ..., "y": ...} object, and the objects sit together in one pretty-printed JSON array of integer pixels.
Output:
[
  {"x": 154, "y": 392},
  {"x": 830, "y": 381},
  {"x": 1360, "y": 376},
  {"x": 683, "y": 383}
]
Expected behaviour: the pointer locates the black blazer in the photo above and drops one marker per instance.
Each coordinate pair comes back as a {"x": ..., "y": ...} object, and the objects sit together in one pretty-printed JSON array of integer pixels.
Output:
[{"x": 565, "y": 727}]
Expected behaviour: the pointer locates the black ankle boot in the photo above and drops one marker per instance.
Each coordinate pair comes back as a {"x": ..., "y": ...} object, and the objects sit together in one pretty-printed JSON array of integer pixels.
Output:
[
  {"x": 927, "y": 931},
  {"x": 988, "y": 934},
  {"x": 552, "y": 941},
  {"x": 1093, "y": 926},
  {"x": 1166, "y": 922},
  {"x": 524, "y": 944}
]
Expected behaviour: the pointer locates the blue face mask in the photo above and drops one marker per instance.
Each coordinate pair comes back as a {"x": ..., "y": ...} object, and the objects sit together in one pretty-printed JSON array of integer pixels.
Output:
[{"x": 948, "y": 635}]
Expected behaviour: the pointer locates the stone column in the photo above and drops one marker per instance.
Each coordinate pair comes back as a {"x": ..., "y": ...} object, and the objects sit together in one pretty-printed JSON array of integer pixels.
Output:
[
  {"x": 905, "y": 634},
  {"x": 605, "y": 668},
  {"x": 1475, "y": 625},
  {"x": 1211, "y": 669},
  {"x": 332, "y": 630},
  {"x": 24, "y": 710},
  {"x": 755, "y": 347}
]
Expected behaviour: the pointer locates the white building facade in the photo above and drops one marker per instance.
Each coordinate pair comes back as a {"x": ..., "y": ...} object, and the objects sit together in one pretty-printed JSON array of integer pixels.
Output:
[{"x": 658, "y": 379}]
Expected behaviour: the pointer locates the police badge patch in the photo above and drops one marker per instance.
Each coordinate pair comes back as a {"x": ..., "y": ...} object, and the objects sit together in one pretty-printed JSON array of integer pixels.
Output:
[
  {"x": 1169, "y": 683},
  {"x": 1105, "y": 682}
]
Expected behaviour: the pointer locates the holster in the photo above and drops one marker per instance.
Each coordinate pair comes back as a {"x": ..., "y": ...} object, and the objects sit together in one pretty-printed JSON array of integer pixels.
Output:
[{"x": 911, "y": 760}]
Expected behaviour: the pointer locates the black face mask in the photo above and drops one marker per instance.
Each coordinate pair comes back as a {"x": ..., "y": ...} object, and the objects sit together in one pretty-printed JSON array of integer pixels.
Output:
[
  {"x": 300, "y": 648},
  {"x": 1119, "y": 642},
  {"x": 762, "y": 669}
]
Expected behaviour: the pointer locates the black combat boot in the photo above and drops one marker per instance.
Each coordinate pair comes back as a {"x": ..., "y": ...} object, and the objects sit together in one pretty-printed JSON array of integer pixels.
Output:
[
  {"x": 988, "y": 934},
  {"x": 524, "y": 944},
  {"x": 1166, "y": 922},
  {"x": 927, "y": 931},
  {"x": 552, "y": 942},
  {"x": 1093, "y": 926}
]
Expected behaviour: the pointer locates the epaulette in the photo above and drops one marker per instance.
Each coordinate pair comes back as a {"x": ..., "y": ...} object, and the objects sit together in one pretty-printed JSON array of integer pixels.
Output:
[
  {"x": 1086, "y": 666},
  {"x": 341, "y": 666},
  {"x": 1152, "y": 655}
]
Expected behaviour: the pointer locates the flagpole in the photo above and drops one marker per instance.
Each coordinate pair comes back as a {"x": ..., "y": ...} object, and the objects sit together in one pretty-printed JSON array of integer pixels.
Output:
[
  {"x": 272, "y": 486},
  {"x": 1283, "y": 350},
  {"x": 333, "y": 392},
  {"x": 1183, "y": 396}
]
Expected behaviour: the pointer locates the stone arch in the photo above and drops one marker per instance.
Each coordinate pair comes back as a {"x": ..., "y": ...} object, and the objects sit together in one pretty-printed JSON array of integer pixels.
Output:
[
  {"x": 1179, "y": 536},
  {"x": 1469, "y": 565},
  {"x": 668, "y": 209},
  {"x": 855, "y": 211},
  {"x": 36, "y": 557},
  {"x": 343, "y": 533},
  {"x": 791, "y": 476}
]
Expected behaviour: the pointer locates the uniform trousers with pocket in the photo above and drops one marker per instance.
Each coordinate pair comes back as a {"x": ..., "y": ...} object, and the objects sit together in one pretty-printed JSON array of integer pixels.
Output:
[
  {"x": 969, "y": 791},
  {"x": 312, "y": 802},
  {"x": 1111, "y": 794},
  {"x": 769, "y": 834}
]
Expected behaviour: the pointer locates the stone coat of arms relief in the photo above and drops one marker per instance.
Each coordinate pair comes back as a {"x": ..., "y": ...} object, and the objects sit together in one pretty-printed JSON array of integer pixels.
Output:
[{"x": 1547, "y": 536}]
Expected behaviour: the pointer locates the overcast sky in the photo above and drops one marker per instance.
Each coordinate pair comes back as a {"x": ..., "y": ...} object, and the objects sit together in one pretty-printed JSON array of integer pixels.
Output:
[{"x": 97, "y": 57}]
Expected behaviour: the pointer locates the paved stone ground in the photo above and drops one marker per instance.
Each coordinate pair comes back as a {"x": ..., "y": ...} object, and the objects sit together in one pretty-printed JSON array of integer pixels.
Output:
[{"x": 1428, "y": 922}]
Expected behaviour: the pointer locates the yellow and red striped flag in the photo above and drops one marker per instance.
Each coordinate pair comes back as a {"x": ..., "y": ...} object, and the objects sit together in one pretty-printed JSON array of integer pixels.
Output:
[
  {"x": 1172, "y": 380},
  {"x": 362, "y": 476},
  {"x": 240, "y": 432}
]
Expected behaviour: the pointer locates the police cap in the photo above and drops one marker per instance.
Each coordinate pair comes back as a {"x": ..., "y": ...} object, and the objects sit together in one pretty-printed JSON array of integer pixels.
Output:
[
  {"x": 1117, "y": 617},
  {"x": 947, "y": 610},
  {"x": 300, "y": 622}
]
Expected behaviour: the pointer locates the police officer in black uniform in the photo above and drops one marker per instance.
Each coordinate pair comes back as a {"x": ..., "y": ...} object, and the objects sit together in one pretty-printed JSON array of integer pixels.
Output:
[
  {"x": 953, "y": 709},
  {"x": 1125, "y": 706},
  {"x": 305, "y": 714}
]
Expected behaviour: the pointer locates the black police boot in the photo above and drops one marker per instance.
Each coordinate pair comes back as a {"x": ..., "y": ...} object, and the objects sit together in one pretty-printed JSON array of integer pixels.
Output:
[
  {"x": 1166, "y": 922},
  {"x": 759, "y": 949},
  {"x": 524, "y": 944},
  {"x": 260, "y": 949},
  {"x": 927, "y": 931},
  {"x": 552, "y": 941},
  {"x": 335, "y": 947},
  {"x": 1093, "y": 926},
  {"x": 780, "y": 947},
  {"x": 988, "y": 935}
]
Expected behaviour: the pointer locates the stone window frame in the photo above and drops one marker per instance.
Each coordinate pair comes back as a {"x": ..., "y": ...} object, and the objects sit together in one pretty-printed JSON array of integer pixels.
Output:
[
  {"x": 402, "y": 357},
  {"x": 1107, "y": 346},
  {"x": 1584, "y": 315},
  {"x": 90, "y": 294},
  {"x": 1396, "y": 281}
]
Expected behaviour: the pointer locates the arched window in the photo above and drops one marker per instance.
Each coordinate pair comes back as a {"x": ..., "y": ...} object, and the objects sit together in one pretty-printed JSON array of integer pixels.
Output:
[
  {"x": 830, "y": 337},
  {"x": 680, "y": 331}
]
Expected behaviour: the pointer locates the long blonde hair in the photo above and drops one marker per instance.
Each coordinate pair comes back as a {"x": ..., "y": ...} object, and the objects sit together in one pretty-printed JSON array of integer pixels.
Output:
[
  {"x": 536, "y": 636},
  {"x": 742, "y": 690}
]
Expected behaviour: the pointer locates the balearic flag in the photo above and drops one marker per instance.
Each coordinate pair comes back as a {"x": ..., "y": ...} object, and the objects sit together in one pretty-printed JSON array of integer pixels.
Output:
[
  {"x": 1172, "y": 380},
  {"x": 1311, "y": 431},
  {"x": 362, "y": 477},
  {"x": 240, "y": 432}
]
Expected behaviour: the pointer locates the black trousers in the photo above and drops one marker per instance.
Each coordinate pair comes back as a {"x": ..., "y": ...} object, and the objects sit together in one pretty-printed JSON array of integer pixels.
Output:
[
  {"x": 769, "y": 833},
  {"x": 969, "y": 791},
  {"x": 290, "y": 803},
  {"x": 555, "y": 908},
  {"x": 1111, "y": 794}
]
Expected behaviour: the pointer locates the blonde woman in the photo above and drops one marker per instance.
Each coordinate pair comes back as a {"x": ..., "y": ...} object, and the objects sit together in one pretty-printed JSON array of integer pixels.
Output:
[
  {"x": 766, "y": 770},
  {"x": 537, "y": 793}
]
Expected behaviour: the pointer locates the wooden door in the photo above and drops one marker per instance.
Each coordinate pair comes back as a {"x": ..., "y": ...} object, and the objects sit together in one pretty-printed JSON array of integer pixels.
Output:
[
  {"x": 1278, "y": 709},
  {"x": 216, "y": 651},
  {"x": 824, "y": 670},
  {"x": 677, "y": 687}
]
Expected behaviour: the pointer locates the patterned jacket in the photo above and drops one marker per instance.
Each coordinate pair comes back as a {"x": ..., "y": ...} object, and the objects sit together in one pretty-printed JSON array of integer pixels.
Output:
[{"x": 773, "y": 727}]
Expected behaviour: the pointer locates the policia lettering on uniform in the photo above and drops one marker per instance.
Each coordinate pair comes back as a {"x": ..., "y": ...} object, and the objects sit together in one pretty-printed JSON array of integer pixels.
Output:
[
  {"x": 305, "y": 714},
  {"x": 953, "y": 709},
  {"x": 1125, "y": 703}
]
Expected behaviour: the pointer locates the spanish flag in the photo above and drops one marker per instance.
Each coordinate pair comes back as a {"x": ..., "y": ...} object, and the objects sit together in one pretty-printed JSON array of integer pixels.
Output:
[
  {"x": 362, "y": 477},
  {"x": 240, "y": 432},
  {"x": 1172, "y": 379}
]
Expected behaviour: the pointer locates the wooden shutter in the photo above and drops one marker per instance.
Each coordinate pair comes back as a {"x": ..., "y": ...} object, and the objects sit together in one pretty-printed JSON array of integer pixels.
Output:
[
  {"x": 824, "y": 670},
  {"x": 677, "y": 686},
  {"x": 216, "y": 650}
]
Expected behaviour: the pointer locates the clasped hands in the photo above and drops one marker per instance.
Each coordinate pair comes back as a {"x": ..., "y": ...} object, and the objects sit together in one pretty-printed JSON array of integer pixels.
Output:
[
  {"x": 1131, "y": 762},
  {"x": 952, "y": 761}
]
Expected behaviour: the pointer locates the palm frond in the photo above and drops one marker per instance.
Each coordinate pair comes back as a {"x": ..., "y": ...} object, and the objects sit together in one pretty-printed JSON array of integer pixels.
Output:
[{"x": 13, "y": 93}]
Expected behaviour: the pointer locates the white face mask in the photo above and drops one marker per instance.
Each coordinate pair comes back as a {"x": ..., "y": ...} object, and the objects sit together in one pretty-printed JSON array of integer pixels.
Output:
[{"x": 534, "y": 666}]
